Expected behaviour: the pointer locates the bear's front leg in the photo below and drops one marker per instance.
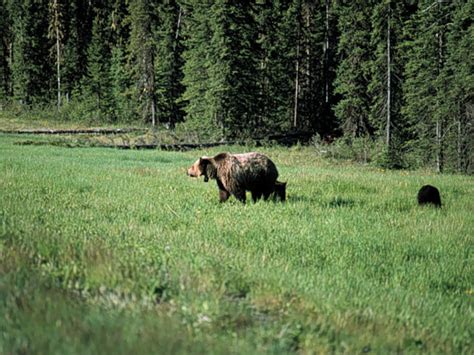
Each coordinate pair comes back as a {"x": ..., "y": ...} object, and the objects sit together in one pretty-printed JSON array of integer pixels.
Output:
[
  {"x": 223, "y": 195},
  {"x": 267, "y": 193},
  {"x": 240, "y": 195}
]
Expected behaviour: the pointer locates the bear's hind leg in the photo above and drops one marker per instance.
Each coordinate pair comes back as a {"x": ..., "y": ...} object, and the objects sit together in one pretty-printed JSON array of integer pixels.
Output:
[
  {"x": 256, "y": 195},
  {"x": 267, "y": 193}
]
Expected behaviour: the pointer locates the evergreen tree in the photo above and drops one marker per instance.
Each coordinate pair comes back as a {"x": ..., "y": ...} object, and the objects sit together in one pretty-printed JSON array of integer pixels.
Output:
[
  {"x": 197, "y": 37},
  {"x": 313, "y": 116},
  {"x": 388, "y": 22},
  {"x": 98, "y": 81},
  {"x": 122, "y": 95},
  {"x": 457, "y": 78},
  {"x": 353, "y": 72},
  {"x": 276, "y": 66},
  {"x": 78, "y": 18},
  {"x": 423, "y": 90},
  {"x": 235, "y": 67},
  {"x": 168, "y": 63},
  {"x": 56, "y": 32},
  {"x": 221, "y": 65},
  {"x": 31, "y": 67},
  {"x": 121, "y": 81},
  {"x": 6, "y": 37},
  {"x": 143, "y": 52},
  {"x": 329, "y": 126},
  {"x": 297, "y": 65}
]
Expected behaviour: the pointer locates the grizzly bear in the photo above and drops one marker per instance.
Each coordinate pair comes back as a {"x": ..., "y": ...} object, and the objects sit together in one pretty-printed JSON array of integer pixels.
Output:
[
  {"x": 429, "y": 194},
  {"x": 237, "y": 173}
]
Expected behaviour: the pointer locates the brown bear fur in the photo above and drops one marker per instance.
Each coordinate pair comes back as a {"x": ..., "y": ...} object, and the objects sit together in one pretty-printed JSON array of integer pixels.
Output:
[{"x": 237, "y": 173}]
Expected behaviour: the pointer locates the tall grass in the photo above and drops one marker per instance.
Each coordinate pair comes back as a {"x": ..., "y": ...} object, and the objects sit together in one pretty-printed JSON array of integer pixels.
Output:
[{"x": 108, "y": 250}]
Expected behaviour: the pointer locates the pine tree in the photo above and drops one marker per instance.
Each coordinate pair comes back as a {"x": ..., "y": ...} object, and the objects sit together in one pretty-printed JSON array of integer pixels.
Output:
[
  {"x": 6, "y": 37},
  {"x": 353, "y": 72},
  {"x": 221, "y": 65},
  {"x": 423, "y": 89},
  {"x": 121, "y": 80},
  {"x": 458, "y": 79},
  {"x": 31, "y": 68},
  {"x": 313, "y": 117},
  {"x": 98, "y": 81},
  {"x": 388, "y": 22},
  {"x": 56, "y": 32},
  {"x": 168, "y": 63},
  {"x": 78, "y": 18},
  {"x": 143, "y": 52},
  {"x": 234, "y": 67},
  {"x": 276, "y": 66},
  {"x": 297, "y": 65},
  {"x": 197, "y": 35},
  {"x": 329, "y": 126}
]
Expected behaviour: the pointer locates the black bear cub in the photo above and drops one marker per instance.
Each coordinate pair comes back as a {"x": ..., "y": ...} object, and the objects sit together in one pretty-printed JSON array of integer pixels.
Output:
[{"x": 429, "y": 195}]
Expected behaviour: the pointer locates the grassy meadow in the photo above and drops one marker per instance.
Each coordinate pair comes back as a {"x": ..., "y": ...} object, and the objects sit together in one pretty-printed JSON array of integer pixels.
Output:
[{"x": 113, "y": 251}]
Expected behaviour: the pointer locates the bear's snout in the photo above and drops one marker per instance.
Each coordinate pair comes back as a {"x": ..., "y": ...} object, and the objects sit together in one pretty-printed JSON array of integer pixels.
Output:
[{"x": 194, "y": 171}]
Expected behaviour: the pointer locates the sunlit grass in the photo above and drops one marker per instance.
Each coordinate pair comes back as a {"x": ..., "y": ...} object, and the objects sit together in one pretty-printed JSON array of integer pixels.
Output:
[{"x": 349, "y": 263}]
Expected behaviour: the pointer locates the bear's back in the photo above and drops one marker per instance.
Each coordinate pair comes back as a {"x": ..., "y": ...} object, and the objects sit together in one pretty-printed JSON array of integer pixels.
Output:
[{"x": 256, "y": 168}]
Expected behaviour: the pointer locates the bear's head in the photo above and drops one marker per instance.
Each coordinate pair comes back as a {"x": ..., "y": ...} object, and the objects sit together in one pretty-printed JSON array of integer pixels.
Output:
[
  {"x": 203, "y": 166},
  {"x": 280, "y": 191}
]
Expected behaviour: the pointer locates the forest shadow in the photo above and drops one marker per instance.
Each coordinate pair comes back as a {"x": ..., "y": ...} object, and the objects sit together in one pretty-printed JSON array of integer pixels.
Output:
[{"x": 336, "y": 202}]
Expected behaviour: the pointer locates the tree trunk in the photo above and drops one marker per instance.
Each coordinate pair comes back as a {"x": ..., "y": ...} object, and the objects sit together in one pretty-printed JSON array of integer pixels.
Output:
[
  {"x": 297, "y": 84},
  {"x": 439, "y": 150},
  {"x": 58, "y": 66},
  {"x": 153, "y": 113},
  {"x": 459, "y": 144},
  {"x": 389, "y": 83},
  {"x": 297, "y": 72},
  {"x": 439, "y": 123},
  {"x": 177, "y": 28},
  {"x": 326, "y": 56}
]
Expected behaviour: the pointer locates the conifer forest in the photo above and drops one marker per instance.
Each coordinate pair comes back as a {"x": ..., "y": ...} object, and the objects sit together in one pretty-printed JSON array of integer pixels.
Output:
[{"x": 398, "y": 74}]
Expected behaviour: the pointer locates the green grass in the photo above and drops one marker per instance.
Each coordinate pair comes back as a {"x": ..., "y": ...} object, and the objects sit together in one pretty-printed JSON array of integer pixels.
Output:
[{"x": 105, "y": 250}]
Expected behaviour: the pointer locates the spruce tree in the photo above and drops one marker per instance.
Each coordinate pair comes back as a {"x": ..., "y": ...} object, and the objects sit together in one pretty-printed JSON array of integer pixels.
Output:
[
  {"x": 385, "y": 89},
  {"x": 353, "y": 72},
  {"x": 197, "y": 36},
  {"x": 234, "y": 67},
  {"x": 423, "y": 90},
  {"x": 276, "y": 66},
  {"x": 98, "y": 81},
  {"x": 143, "y": 53},
  {"x": 312, "y": 26},
  {"x": 221, "y": 66},
  {"x": 31, "y": 67},
  {"x": 120, "y": 77},
  {"x": 56, "y": 32},
  {"x": 329, "y": 127},
  {"x": 6, "y": 37},
  {"x": 78, "y": 18},
  {"x": 168, "y": 64},
  {"x": 458, "y": 79}
]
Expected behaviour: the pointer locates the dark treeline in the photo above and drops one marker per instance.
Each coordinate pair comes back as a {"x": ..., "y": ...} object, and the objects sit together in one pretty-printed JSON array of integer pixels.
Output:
[{"x": 399, "y": 73}]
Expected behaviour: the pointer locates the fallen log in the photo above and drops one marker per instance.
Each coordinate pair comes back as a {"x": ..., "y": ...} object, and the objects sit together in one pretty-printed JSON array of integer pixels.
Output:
[
  {"x": 74, "y": 131},
  {"x": 175, "y": 147}
]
